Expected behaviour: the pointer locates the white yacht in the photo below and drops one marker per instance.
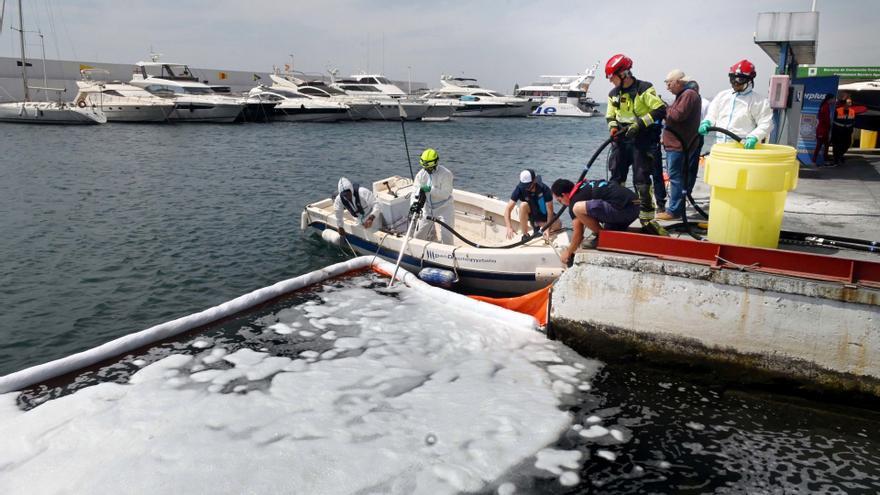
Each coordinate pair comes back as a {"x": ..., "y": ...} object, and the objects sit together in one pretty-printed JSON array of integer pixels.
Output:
[
  {"x": 194, "y": 101},
  {"x": 44, "y": 112},
  {"x": 562, "y": 96},
  {"x": 477, "y": 101},
  {"x": 119, "y": 101},
  {"x": 359, "y": 108},
  {"x": 389, "y": 105},
  {"x": 370, "y": 84},
  {"x": 293, "y": 106}
]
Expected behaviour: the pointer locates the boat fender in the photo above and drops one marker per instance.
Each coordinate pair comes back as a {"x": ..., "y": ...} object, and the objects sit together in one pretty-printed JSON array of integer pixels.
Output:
[
  {"x": 332, "y": 237},
  {"x": 81, "y": 103},
  {"x": 438, "y": 277}
]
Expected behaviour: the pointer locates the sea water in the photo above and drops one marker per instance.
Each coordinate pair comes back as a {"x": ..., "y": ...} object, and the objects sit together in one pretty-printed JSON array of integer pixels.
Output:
[{"x": 112, "y": 229}]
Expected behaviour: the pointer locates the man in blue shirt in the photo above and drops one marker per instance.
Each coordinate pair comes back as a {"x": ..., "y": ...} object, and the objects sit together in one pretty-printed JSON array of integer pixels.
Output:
[{"x": 536, "y": 205}]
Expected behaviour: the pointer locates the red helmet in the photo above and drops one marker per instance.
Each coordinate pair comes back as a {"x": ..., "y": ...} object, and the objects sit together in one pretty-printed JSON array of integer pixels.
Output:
[
  {"x": 616, "y": 64},
  {"x": 742, "y": 69}
]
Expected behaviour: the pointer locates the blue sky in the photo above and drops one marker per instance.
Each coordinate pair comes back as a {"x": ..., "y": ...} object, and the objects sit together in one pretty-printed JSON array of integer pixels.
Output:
[{"x": 499, "y": 42}]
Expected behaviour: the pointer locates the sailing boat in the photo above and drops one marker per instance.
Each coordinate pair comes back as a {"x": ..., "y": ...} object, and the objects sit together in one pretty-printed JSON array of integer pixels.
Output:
[{"x": 45, "y": 112}]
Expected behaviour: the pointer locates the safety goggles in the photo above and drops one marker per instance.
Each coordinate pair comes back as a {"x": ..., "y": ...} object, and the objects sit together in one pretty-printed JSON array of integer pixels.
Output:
[
  {"x": 428, "y": 164},
  {"x": 739, "y": 78}
]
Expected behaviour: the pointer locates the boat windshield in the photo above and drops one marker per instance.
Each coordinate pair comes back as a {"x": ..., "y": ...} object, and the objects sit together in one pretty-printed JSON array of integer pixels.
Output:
[
  {"x": 383, "y": 80},
  {"x": 287, "y": 94},
  {"x": 178, "y": 72}
]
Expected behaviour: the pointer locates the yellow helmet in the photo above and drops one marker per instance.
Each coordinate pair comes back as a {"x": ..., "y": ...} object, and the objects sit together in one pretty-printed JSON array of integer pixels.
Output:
[{"x": 429, "y": 158}]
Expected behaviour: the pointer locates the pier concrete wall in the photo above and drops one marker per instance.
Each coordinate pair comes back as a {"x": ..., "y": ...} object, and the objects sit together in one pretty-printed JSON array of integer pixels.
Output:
[{"x": 819, "y": 333}]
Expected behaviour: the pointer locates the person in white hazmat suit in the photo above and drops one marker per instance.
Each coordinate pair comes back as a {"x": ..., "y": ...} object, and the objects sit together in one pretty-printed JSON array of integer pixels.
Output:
[
  {"x": 435, "y": 181},
  {"x": 363, "y": 206},
  {"x": 740, "y": 110}
]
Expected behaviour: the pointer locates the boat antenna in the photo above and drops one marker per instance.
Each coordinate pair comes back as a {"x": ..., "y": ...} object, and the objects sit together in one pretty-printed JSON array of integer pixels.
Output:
[
  {"x": 2, "y": 15},
  {"x": 405, "y": 143}
]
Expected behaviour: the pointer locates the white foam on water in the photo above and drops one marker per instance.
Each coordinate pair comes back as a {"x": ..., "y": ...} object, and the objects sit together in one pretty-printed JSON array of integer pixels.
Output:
[
  {"x": 554, "y": 460},
  {"x": 423, "y": 400},
  {"x": 606, "y": 454}
]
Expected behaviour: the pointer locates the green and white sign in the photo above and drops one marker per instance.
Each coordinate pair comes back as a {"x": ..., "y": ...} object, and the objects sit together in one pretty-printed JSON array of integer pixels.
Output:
[{"x": 842, "y": 72}]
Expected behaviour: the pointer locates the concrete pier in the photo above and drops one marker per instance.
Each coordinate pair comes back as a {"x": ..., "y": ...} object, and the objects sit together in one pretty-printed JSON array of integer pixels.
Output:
[{"x": 763, "y": 328}]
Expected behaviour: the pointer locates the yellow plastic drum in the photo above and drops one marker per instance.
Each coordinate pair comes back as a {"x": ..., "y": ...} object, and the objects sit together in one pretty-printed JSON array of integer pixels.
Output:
[{"x": 748, "y": 192}]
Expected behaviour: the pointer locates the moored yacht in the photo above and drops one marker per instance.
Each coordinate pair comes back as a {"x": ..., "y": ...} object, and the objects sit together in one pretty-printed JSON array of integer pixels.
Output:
[
  {"x": 292, "y": 106},
  {"x": 44, "y": 112},
  {"x": 562, "y": 96},
  {"x": 194, "y": 101},
  {"x": 479, "y": 102},
  {"x": 119, "y": 101},
  {"x": 388, "y": 100},
  {"x": 437, "y": 111}
]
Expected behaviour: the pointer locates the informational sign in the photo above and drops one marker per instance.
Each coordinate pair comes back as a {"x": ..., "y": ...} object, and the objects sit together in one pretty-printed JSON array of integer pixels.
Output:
[
  {"x": 841, "y": 72},
  {"x": 815, "y": 91}
]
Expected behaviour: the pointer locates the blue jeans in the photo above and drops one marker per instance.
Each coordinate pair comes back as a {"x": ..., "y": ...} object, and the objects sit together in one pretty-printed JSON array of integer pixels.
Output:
[
  {"x": 675, "y": 161},
  {"x": 677, "y": 187}
]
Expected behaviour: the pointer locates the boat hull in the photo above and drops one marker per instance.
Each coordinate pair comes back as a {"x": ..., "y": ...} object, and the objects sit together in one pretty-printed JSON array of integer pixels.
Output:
[
  {"x": 480, "y": 218},
  {"x": 480, "y": 109},
  {"x": 388, "y": 110},
  {"x": 50, "y": 113},
  {"x": 137, "y": 113},
  {"x": 191, "y": 111},
  {"x": 305, "y": 114}
]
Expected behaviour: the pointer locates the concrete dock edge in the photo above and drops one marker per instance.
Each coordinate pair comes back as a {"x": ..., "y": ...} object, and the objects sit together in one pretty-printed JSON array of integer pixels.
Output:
[{"x": 752, "y": 327}]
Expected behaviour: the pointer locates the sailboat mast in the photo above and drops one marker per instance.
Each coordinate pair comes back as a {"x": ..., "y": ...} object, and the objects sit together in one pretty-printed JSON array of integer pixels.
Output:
[{"x": 27, "y": 96}]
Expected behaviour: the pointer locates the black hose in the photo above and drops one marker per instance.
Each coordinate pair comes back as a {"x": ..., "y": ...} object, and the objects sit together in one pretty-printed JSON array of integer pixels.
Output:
[
  {"x": 726, "y": 133},
  {"x": 685, "y": 166},
  {"x": 789, "y": 237},
  {"x": 527, "y": 238}
]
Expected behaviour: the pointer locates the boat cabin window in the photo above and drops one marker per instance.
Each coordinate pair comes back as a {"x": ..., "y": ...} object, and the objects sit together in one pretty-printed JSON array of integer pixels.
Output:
[
  {"x": 111, "y": 92},
  {"x": 162, "y": 90},
  {"x": 368, "y": 80},
  {"x": 198, "y": 91},
  {"x": 383, "y": 80},
  {"x": 356, "y": 87}
]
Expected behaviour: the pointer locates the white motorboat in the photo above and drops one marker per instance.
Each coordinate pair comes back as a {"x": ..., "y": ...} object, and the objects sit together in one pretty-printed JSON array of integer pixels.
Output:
[
  {"x": 479, "y": 102},
  {"x": 44, "y": 112},
  {"x": 368, "y": 85},
  {"x": 562, "y": 96},
  {"x": 119, "y": 101},
  {"x": 358, "y": 108},
  {"x": 193, "y": 100},
  {"x": 478, "y": 218},
  {"x": 292, "y": 106}
]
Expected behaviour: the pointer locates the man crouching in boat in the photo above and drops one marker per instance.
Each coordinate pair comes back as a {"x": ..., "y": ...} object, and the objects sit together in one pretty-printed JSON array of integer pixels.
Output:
[
  {"x": 435, "y": 181},
  {"x": 362, "y": 206},
  {"x": 536, "y": 205},
  {"x": 591, "y": 203}
]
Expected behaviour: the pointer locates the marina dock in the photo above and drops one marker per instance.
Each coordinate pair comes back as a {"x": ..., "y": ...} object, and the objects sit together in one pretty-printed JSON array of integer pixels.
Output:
[{"x": 748, "y": 326}]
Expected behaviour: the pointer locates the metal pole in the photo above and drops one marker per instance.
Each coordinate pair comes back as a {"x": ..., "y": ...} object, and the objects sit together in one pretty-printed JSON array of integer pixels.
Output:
[
  {"x": 45, "y": 82},
  {"x": 27, "y": 95},
  {"x": 409, "y": 79}
]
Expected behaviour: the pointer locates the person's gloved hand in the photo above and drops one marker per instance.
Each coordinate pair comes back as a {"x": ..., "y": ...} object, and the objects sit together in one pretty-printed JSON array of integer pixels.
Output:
[
  {"x": 750, "y": 142},
  {"x": 614, "y": 133},
  {"x": 426, "y": 188},
  {"x": 633, "y": 130},
  {"x": 704, "y": 127}
]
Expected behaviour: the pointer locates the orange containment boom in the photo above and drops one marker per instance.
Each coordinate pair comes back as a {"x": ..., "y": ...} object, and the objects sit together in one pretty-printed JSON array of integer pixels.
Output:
[{"x": 534, "y": 303}]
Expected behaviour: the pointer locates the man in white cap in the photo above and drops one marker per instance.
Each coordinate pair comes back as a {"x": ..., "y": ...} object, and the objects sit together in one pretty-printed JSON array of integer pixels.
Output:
[
  {"x": 682, "y": 117},
  {"x": 362, "y": 206},
  {"x": 536, "y": 205}
]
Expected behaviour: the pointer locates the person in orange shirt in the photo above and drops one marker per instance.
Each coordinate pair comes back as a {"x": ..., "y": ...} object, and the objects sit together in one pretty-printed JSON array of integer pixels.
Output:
[{"x": 841, "y": 132}]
